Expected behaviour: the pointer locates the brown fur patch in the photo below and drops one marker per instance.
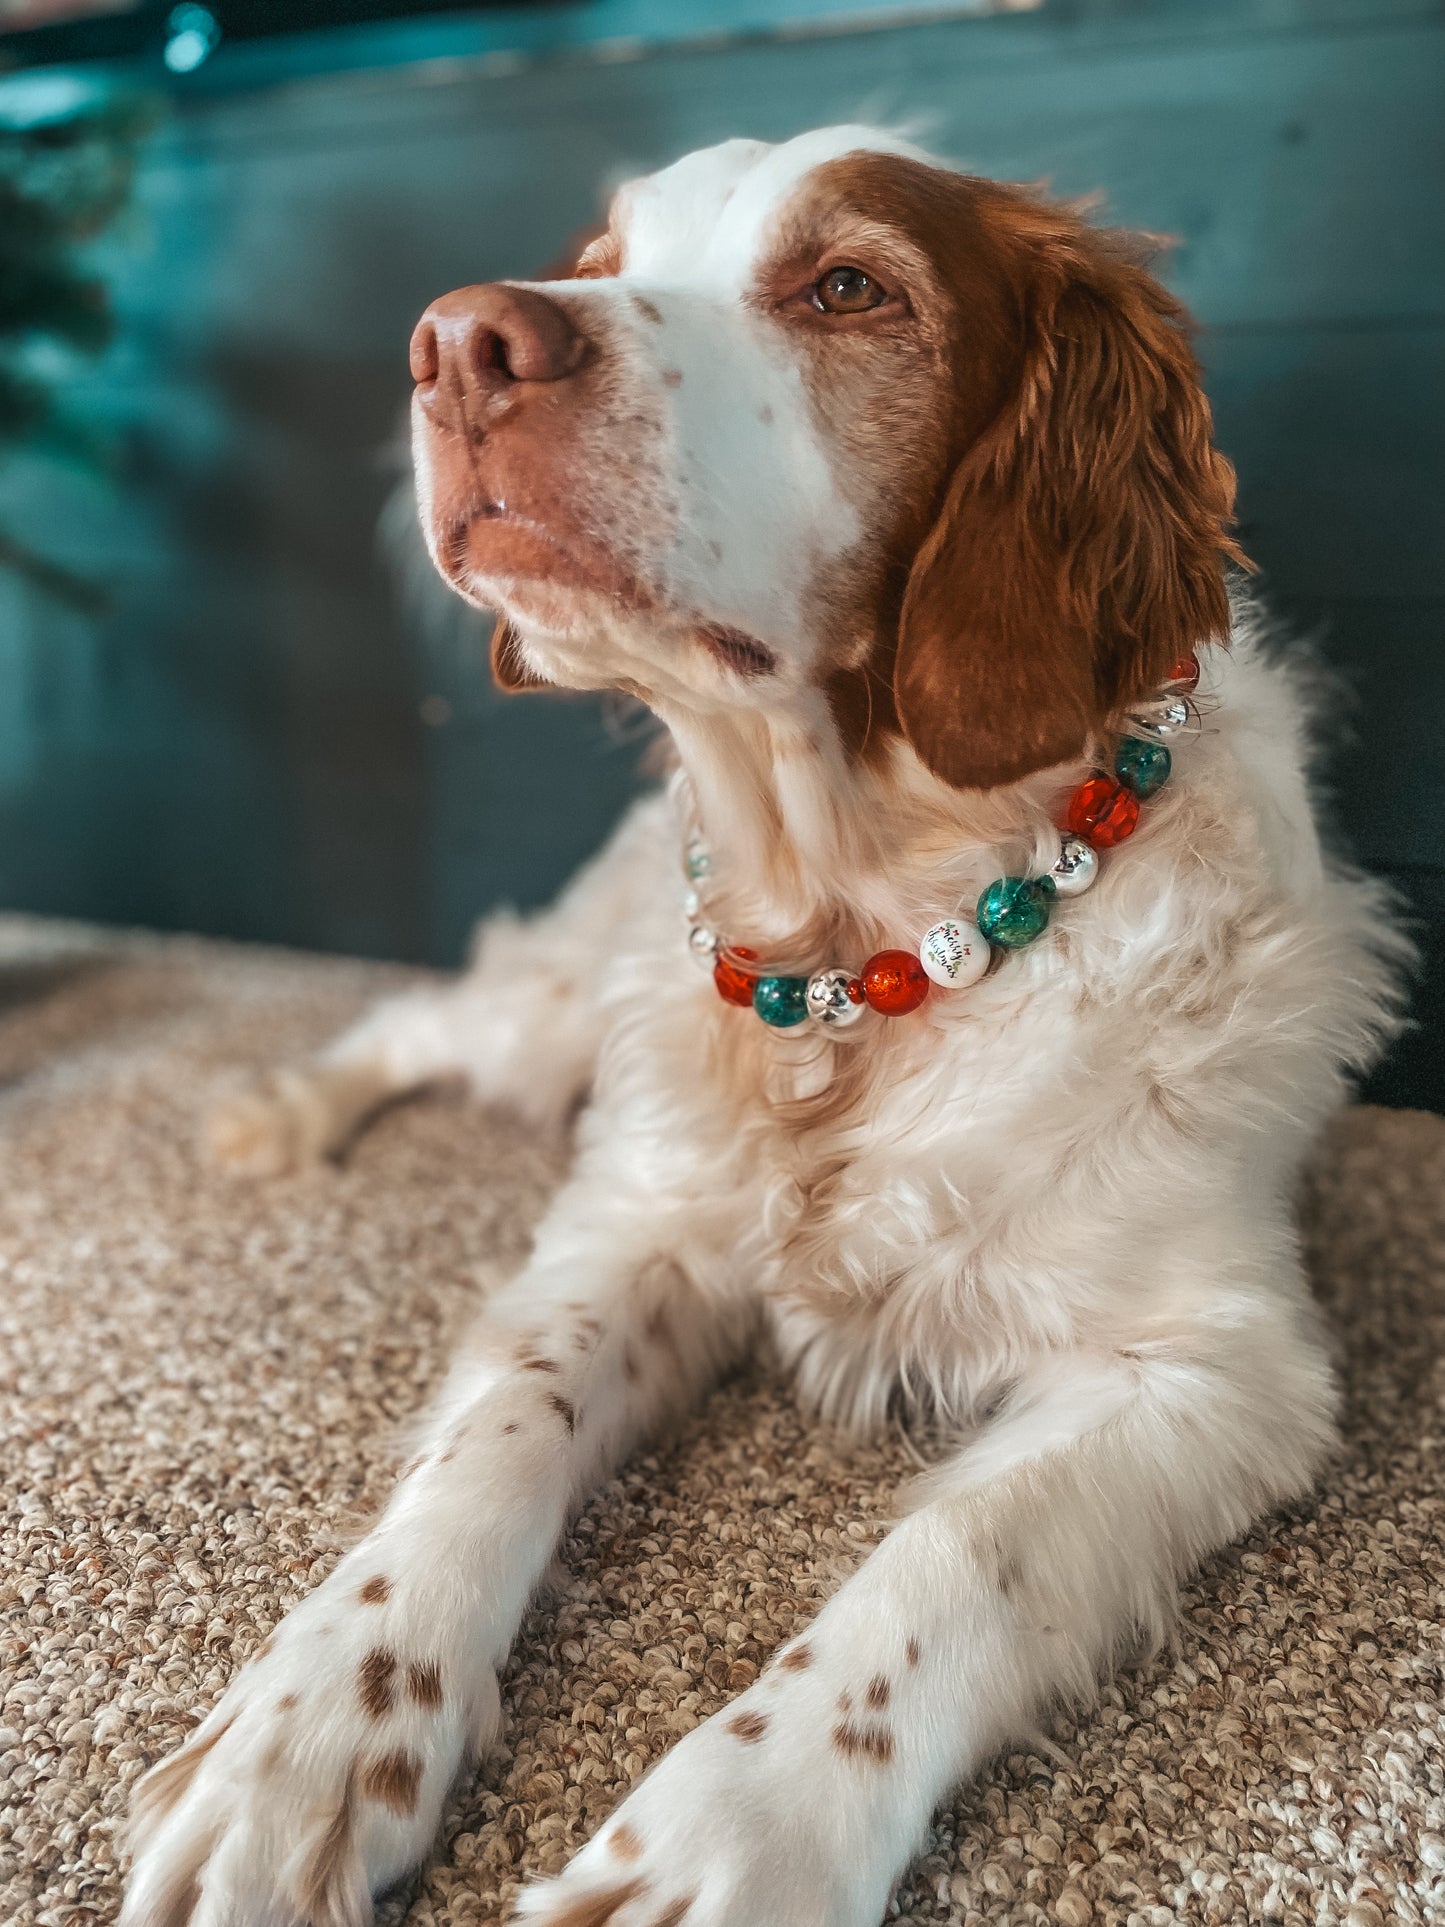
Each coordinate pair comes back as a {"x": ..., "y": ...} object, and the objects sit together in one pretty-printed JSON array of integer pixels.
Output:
[
  {"x": 529, "y": 1364},
  {"x": 376, "y": 1591},
  {"x": 376, "y": 1681},
  {"x": 286, "y": 1702},
  {"x": 677, "y": 1912},
  {"x": 672, "y": 377},
  {"x": 625, "y": 1842},
  {"x": 596, "y": 1910},
  {"x": 320, "y": 1876},
  {"x": 863, "y": 1742},
  {"x": 1044, "y": 558},
  {"x": 268, "y": 1644},
  {"x": 176, "y": 1907},
  {"x": 659, "y": 1329},
  {"x": 797, "y": 1659},
  {"x": 879, "y": 1692},
  {"x": 393, "y": 1780},
  {"x": 912, "y": 1652},
  {"x": 565, "y": 1410},
  {"x": 747, "y": 1726},
  {"x": 424, "y": 1682},
  {"x": 601, "y": 258},
  {"x": 509, "y": 1428},
  {"x": 163, "y": 1786},
  {"x": 647, "y": 309}
]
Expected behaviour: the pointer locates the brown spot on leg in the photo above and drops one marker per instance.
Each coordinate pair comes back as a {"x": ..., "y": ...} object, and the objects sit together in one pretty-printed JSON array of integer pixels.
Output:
[
  {"x": 424, "y": 1682},
  {"x": 596, "y": 1910},
  {"x": 564, "y": 1410},
  {"x": 509, "y": 1428},
  {"x": 797, "y": 1659},
  {"x": 529, "y": 1364},
  {"x": 676, "y": 1913},
  {"x": 765, "y": 415},
  {"x": 321, "y": 1875},
  {"x": 748, "y": 1726},
  {"x": 625, "y": 1842},
  {"x": 715, "y": 550},
  {"x": 375, "y": 1681},
  {"x": 672, "y": 377},
  {"x": 878, "y": 1692},
  {"x": 176, "y": 1907},
  {"x": 393, "y": 1780},
  {"x": 376, "y": 1591},
  {"x": 647, "y": 309},
  {"x": 268, "y": 1644},
  {"x": 873, "y": 1743},
  {"x": 845, "y": 1701},
  {"x": 912, "y": 1652},
  {"x": 159, "y": 1791},
  {"x": 286, "y": 1702},
  {"x": 659, "y": 1330}
]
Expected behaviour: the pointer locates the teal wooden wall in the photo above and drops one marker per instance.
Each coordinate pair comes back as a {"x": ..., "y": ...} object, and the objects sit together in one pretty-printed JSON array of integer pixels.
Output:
[{"x": 260, "y": 741}]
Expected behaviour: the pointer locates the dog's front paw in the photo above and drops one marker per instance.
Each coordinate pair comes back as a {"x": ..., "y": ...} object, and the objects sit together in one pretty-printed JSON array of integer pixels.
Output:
[
  {"x": 283, "y": 1124},
  {"x": 733, "y": 1828},
  {"x": 317, "y": 1781}
]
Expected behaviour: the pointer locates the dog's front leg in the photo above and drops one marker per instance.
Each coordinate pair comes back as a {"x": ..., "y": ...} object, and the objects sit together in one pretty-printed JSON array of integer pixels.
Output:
[
  {"x": 1042, "y": 1551},
  {"x": 319, "y": 1779}
]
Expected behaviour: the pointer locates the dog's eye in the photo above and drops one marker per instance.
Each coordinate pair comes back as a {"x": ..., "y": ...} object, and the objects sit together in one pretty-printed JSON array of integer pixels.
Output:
[{"x": 848, "y": 291}]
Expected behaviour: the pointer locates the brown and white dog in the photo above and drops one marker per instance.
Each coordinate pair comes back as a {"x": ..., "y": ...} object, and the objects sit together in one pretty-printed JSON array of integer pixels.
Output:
[{"x": 890, "y": 490}]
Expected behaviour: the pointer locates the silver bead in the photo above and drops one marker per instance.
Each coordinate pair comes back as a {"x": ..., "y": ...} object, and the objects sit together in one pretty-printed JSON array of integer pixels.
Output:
[
  {"x": 954, "y": 952},
  {"x": 1076, "y": 867},
  {"x": 702, "y": 942},
  {"x": 691, "y": 905},
  {"x": 1160, "y": 721},
  {"x": 828, "y": 1000}
]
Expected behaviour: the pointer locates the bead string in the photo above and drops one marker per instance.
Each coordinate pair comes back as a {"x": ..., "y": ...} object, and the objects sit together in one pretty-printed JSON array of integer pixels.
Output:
[{"x": 1010, "y": 914}]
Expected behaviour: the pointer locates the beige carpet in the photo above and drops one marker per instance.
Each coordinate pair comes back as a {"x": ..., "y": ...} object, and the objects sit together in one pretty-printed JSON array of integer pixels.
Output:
[{"x": 196, "y": 1384}]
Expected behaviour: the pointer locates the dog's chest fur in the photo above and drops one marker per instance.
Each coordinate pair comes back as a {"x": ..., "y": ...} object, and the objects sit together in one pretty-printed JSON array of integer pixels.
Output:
[{"x": 934, "y": 1196}]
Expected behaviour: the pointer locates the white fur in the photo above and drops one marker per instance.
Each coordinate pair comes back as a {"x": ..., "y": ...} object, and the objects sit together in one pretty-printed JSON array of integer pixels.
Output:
[{"x": 1056, "y": 1224}]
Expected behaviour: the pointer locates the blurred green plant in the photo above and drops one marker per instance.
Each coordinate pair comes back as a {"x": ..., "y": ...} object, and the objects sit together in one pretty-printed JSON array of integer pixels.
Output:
[{"x": 64, "y": 178}]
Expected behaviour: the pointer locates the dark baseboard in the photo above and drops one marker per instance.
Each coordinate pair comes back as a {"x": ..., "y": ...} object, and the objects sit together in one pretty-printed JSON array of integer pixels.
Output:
[{"x": 1412, "y": 1076}]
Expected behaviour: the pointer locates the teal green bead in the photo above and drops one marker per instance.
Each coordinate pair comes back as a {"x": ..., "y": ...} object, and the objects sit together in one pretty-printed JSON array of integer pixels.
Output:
[
  {"x": 1142, "y": 767},
  {"x": 1014, "y": 910},
  {"x": 699, "y": 865},
  {"x": 781, "y": 1001}
]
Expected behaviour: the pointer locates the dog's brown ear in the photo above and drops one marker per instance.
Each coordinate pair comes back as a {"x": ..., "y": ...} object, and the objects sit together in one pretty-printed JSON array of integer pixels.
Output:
[{"x": 1079, "y": 550}]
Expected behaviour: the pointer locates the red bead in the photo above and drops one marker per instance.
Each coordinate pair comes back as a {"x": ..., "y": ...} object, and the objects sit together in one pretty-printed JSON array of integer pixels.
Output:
[
  {"x": 894, "y": 982},
  {"x": 854, "y": 991},
  {"x": 734, "y": 984},
  {"x": 1103, "y": 812},
  {"x": 1184, "y": 675}
]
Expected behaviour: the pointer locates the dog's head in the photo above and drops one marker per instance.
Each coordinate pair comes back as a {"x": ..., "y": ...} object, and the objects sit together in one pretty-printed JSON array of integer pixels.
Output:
[{"x": 826, "y": 416}]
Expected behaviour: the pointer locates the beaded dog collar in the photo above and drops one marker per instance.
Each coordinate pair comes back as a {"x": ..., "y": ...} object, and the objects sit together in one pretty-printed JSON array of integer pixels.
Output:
[{"x": 1011, "y": 913}]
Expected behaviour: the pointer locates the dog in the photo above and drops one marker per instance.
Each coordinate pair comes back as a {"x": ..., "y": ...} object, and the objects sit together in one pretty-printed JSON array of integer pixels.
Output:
[{"x": 891, "y": 491}]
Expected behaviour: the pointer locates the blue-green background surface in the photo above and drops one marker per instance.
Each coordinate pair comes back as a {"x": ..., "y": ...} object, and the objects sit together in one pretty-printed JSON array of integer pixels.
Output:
[{"x": 261, "y": 739}]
